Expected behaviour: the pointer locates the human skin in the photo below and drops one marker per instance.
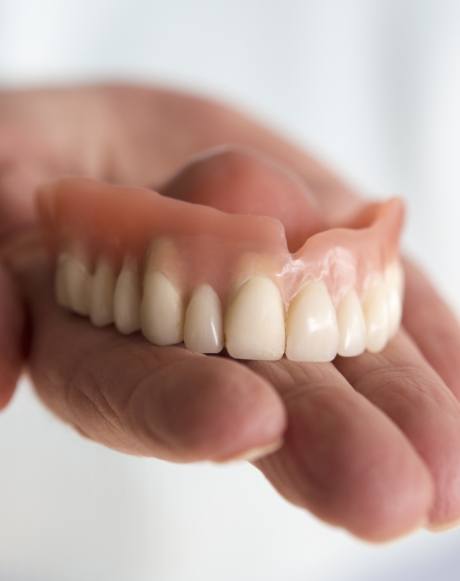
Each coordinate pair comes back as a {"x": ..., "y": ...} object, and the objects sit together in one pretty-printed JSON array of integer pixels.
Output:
[{"x": 370, "y": 444}]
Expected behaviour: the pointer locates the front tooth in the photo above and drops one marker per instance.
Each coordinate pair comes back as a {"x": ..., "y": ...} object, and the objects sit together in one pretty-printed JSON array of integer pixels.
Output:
[
  {"x": 101, "y": 307},
  {"x": 162, "y": 310},
  {"x": 78, "y": 279},
  {"x": 60, "y": 281},
  {"x": 312, "y": 331},
  {"x": 126, "y": 302},
  {"x": 203, "y": 331},
  {"x": 254, "y": 322},
  {"x": 375, "y": 309},
  {"x": 352, "y": 327}
]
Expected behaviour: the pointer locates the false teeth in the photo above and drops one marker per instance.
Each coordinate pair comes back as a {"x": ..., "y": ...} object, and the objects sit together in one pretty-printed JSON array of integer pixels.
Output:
[
  {"x": 376, "y": 315},
  {"x": 394, "y": 278},
  {"x": 162, "y": 310},
  {"x": 101, "y": 300},
  {"x": 126, "y": 302},
  {"x": 78, "y": 283},
  {"x": 352, "y": 327},
  {"x": 61, "y": 281},
  {"x": 254, "y": 322},
  {"x": 312, "y": 332},
  {"x": 203, "y": 328},
  {"x": 255, "y": 326},
  {"x": 264, "y": 238}
]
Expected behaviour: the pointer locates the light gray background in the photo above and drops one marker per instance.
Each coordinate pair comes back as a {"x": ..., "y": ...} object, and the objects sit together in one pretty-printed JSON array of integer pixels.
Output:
[{"x": 374, "y": 88}]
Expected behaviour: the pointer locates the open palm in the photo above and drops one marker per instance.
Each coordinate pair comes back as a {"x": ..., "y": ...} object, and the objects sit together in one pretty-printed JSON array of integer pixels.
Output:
[{"x": 370, "y": 443}]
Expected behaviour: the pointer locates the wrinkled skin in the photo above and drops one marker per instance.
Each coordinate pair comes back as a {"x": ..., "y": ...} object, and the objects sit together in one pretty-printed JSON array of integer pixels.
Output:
[{"x": 371, "y": 444}]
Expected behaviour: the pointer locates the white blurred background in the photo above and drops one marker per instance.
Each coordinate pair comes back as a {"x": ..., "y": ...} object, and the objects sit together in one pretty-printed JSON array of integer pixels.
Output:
[{"x": 374, "y": 88}]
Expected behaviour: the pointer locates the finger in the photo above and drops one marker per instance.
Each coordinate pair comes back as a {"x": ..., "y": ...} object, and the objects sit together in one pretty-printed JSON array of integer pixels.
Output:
[
  {"x": 142, "y": 399},
  {"x": 402, "y": 384},
  {"x": 434, "y": 326},
  {"x": 342, "y": 458}
]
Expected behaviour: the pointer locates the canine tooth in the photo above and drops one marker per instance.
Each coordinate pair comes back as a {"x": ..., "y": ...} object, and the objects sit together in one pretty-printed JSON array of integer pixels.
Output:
[
  {"x": 126, "y": 302},
  {"x": 375, "y": 309},
  {"x": 162, "y": 310},
  {"x": 60, "y": 281},
  {"x": 254, "y": 321},
  {"x": 312, "y": 331},
  {"x": 101, "y": 307},
  {"x": 203, "y": 330},
  {"x": 78, "y": 283},
  {"x": 352, "y": 327}
]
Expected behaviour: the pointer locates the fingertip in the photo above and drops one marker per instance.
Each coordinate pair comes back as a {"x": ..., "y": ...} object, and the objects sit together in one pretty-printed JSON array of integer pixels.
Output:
[
  {"x": 354, "y": 469},
  {"x": 208, "y": 408},
  {"x": 398, "y": 511}
]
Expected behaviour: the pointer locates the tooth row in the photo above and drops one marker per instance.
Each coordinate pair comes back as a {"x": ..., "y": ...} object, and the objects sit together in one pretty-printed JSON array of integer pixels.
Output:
[{"x": 255, "y": 326}]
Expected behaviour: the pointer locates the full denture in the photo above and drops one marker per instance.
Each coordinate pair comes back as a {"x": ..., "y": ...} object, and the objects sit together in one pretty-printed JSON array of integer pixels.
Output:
[{"x": 181, "y": 271}]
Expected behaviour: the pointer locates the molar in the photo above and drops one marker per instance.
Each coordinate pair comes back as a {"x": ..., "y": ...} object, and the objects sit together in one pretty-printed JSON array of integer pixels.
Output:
[
  {"x": 78, "y": 282},
  {"x": 394, "y": 278},
  {"x": 126, "y": 302},
  {"x": 375, "y": 309},
  {"x": 254, "y": 321},
  {"x": 352, "y": 326},
  {"x": 203, "y": 328},
  {"x": 101, "y": 300},
  {"x": 61, "y": 280},
  {"x": 312, "y": 331}
]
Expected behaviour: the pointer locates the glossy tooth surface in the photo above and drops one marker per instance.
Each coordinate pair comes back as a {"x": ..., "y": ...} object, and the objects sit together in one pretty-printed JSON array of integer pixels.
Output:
[
  {"x": 60, "y": 281},
  {"x": 254, "y": 321},
  {"x": 79, "y": 283},
  {"x": 352, "y": 327},
  {"x": 103, "y": 285},
  {"x": 312, "y": 331},
  {"x": 375, "y": 309},
  {"x": 394, "y": 307},
  {"x": 162, "y": 310},
  {"x": 127, "y": 301},
  {"x": 394, "y": 278},
  {"x": 203, "y": 327}
]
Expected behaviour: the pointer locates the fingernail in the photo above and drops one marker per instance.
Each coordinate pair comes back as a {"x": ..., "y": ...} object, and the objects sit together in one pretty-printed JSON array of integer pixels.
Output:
[{"x": 253, "y": 454}]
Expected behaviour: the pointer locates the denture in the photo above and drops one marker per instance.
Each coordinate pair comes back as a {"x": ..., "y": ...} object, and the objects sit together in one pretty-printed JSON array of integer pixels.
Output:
[{"x": 222, "y": 260}]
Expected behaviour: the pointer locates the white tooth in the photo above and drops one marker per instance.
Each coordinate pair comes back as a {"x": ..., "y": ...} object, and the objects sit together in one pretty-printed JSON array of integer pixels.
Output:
[
  {"x": 126, "y": 302},
  {"x": 203, "y": 321},
  {"x": 376, "y": 316},
  {"x": 394, "y": 307},
  {"x": 78, "y": 280},
  {"x": 101, "y": 307},
  {"x": 394, "y": 278},
  {"x": 60, "y": 281},
  {"x": 162, "y": 310},
  {"x": 254, "y": 321},
  {"x": 352, "y": 327},
  {"x": 312, "y": 331}
]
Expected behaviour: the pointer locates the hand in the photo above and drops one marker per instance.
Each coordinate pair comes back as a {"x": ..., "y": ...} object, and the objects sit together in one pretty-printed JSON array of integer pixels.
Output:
[{"x": 371, "y": 444}]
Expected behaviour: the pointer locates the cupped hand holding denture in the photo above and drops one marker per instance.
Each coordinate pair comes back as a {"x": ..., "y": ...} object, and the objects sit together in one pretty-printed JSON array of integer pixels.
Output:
[{"x": 285, "y": 287}]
